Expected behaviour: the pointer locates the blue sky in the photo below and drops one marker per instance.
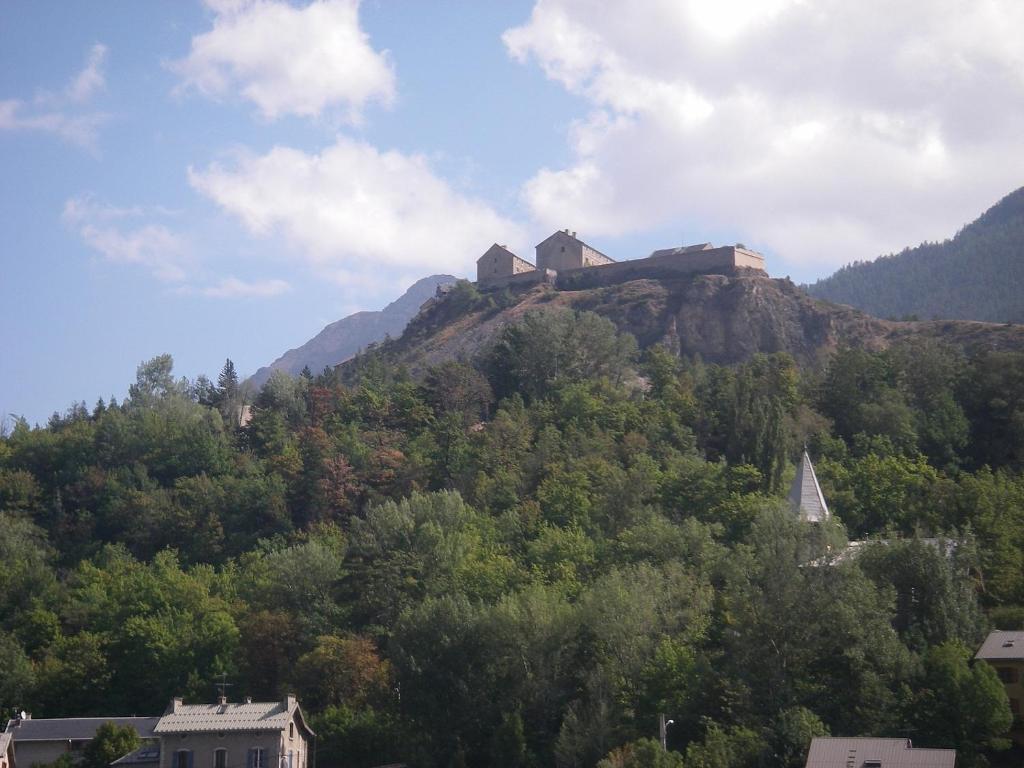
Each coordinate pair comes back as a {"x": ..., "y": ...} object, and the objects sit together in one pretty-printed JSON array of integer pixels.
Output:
[{"x": 223, "y": 178}]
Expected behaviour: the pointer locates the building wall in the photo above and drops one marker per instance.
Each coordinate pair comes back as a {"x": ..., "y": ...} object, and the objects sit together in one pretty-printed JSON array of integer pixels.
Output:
[
  {"x": 203, "y": 746},
  {"x": 498, "y": 262},
  {"x": 716, "y": 260},
  {"x": 592, "y": 258},
  {"x": 533, "y": 277},
  {"x": 29, "y": 753},
  {"x": 560, "y": 252},
  {"x": 1011, "y": 673}
]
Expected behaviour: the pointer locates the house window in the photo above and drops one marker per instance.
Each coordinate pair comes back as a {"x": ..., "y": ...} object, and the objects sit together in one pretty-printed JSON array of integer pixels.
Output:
[
  {"x": 220, "y": 758},
  {"x": 1015, "y": 707},
  {"x": 183, "y": 759},
  {"x": 291, "y": 730},
  {"x": 1007, "y": 674},
  {"x": 258, "y": 758}
]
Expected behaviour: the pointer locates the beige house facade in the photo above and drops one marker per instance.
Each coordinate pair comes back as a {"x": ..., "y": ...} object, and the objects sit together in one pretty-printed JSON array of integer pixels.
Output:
[
  {"x": 234, "y": 735},
  {"x": 1004, "y": 650},
  {"x": 6, "y": 750}
]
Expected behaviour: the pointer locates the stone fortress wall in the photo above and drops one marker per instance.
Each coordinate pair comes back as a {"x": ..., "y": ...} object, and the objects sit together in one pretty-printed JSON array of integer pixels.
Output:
[{"x": 570, "y": 264}]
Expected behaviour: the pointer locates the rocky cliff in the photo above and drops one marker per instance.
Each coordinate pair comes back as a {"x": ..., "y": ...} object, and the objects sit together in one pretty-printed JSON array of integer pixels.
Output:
[{"x": 724, "y": 319}]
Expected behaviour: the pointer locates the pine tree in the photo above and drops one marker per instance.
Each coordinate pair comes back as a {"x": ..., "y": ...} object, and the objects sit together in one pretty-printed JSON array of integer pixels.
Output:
[{"x": 227, "y": 382}]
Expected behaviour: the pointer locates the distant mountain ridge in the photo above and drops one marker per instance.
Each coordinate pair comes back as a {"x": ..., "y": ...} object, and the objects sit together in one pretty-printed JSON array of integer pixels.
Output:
[
  {"x": 343, "y": 338},
  {"x": 976, "y": 275}
]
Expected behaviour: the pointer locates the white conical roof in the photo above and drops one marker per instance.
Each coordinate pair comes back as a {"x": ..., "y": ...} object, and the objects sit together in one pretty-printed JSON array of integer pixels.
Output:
[{"x": 805, "y": 494}]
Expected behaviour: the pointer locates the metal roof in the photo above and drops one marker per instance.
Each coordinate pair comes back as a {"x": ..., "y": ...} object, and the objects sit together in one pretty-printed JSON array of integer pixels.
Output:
[
  {"x": 201, "y": 718},
  {"x": 805, "y": 494},
  {"x": 75, "y": 728},
  {"x": 1002, "y": 645},
  {"x": 840, "y": 752}
]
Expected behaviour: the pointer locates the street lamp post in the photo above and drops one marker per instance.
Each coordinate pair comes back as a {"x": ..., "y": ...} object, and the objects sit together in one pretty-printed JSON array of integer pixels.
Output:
[{"x": 663, "y": 725}]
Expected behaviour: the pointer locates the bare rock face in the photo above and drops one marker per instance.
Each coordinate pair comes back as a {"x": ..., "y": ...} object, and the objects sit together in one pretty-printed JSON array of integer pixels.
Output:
[{"x": 724, "y": 319}]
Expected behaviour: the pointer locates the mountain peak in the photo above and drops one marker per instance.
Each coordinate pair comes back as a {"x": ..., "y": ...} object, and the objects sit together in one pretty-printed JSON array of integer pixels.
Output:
[{"x": 343, "y": 338}]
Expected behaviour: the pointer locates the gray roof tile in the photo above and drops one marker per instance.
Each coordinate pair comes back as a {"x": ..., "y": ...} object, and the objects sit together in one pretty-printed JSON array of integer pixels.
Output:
[
  {"x": 75, "y": 728},
  {"x": 198, "y": 718},
  {"x": 1002, "y": 645},
  {"x": 839, "y": 752}
]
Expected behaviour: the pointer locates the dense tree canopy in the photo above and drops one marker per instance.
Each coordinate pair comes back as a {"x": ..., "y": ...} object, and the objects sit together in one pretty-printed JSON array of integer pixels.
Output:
[{"x": 523, "y": 559}]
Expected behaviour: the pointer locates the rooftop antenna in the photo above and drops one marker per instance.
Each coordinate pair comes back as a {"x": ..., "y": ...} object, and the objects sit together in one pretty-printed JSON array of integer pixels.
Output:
[{"x": 222, "y": 687}]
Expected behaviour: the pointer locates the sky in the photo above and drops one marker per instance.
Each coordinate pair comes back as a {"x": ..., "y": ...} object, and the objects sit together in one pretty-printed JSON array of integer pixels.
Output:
[{"x": 222, "y": 178}]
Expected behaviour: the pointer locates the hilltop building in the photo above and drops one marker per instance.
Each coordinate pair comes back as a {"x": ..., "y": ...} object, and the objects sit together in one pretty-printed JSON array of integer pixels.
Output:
[
  {"x": 498, "y": 262},
  {"x": 563, "y": 251},
  {"x": 1005, "y": 652},
  {"x": 863, "y": 752},
  {"x": 568, "y": 263}
]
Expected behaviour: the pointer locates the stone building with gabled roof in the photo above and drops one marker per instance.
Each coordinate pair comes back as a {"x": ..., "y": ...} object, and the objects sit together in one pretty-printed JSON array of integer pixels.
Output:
[
  {"x": 805, "y": 495},
  {"x": 868, "y": 752},
  {"x": 234, "y": 735},
  {"x": 499, "y": 262},
  {"x": 564, "y": 251}
]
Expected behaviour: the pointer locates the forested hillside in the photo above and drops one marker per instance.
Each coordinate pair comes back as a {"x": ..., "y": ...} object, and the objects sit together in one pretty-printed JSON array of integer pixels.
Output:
[
  {"x": 977, "y": 275},
  {"x": 523, "y": 558}
]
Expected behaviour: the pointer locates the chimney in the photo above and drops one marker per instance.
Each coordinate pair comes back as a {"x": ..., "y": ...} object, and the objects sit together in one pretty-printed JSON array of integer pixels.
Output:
[
  {"x": 222, "y": 700},
  {"x": 175, "y": 706},
  {"x": 248, "y": 699},
  {"x": 289, "y": 702}
]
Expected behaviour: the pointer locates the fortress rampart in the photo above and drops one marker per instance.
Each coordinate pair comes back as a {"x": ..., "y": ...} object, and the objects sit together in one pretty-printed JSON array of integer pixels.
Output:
[{"x": 581, "y": 266}]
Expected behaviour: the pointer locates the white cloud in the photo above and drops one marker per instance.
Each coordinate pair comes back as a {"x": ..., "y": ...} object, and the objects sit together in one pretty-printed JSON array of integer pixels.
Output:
[
  {"x": 823, "y": 131},
  {"x": 92, "y": 78},
  {"x": 287, "y": 59},
  {"x": 124, "y": 236},
  {"x": 357, "y": 215},
  {"x": 139, "y": 235},
  {"x": 232, "y": 288},
  {"x": 62, "y": 114}
]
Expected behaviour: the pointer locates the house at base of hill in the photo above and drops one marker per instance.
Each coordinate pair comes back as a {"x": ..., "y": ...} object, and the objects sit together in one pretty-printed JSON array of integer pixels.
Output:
[
  {"x": 865, "y": 752},
  {"x": 6, "y": 750},
  {"x": 1004, "y": 650},
  {"x": 234, "y": 735},
  {"x": 44, "y": 740}
]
